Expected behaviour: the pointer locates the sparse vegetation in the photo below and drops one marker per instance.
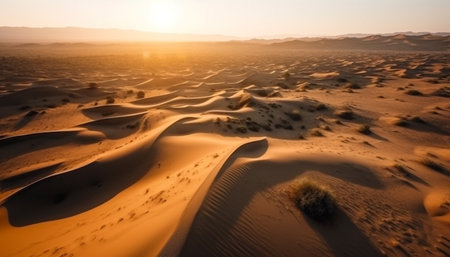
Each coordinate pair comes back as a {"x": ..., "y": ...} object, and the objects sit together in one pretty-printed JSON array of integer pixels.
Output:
[
  {"x": 31, "y": 113},
  {"x": 93, "y": 85},
  {"x": 314, "y": 199},
  {"x": 352, "y": 86},
  {"x": 321, "y": 107},
  {"x": 414, "y": 92},
  {"x": 364, "y": 129},
  {"x": 417, "y": 119},
  {"x": 402, "y": 122},
  {"x": 344, "y": 114},
  {"x": 316, "y": 133},
  {"x": 140, "y": 94},
  {"x": 110, "y": 100},
  {"x": 294, "y": 115},
  {"x": 443, "y": 92}
]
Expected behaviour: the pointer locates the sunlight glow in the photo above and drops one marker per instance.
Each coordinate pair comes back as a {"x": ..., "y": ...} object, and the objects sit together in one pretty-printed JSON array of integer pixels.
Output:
[{"x": 163, "y": 16}]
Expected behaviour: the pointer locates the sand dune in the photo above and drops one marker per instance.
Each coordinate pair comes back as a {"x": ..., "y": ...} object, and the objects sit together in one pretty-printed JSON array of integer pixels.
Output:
[{"x": 197, "y": 153}]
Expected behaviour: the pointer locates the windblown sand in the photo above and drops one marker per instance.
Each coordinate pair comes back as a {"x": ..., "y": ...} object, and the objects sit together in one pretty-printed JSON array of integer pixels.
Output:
[{"x": 177, "y": 152}]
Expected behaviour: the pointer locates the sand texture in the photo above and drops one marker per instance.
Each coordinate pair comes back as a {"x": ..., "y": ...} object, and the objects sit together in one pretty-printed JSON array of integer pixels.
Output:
[{"x": 187, "y": 150}]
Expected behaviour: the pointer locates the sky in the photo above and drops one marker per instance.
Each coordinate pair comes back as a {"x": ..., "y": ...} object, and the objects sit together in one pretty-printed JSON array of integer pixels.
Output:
[{"x": 241, "y": 18}]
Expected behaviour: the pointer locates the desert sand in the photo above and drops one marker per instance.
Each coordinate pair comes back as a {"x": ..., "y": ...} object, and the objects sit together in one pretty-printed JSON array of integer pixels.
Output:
[{"x": 193, "y": 150}]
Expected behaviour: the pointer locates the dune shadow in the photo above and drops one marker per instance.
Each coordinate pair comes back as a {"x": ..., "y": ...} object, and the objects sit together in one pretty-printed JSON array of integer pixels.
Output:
[
  {"x": 30, "y": 116},
  {"x": 14, "y": 146},
  {"x": 28, "y": 177},
  {"x": 213, "y": 231},
  {"x": 343, "y": 237},
  {"x": 73, "y": 192}
]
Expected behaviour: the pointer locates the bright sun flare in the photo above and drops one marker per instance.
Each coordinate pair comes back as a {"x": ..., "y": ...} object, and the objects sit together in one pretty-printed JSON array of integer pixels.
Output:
[{"x": 163, "y": 16}]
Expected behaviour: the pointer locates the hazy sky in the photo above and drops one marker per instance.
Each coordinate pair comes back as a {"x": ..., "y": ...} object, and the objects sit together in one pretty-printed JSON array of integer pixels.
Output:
[{"x": 233, "y": 17}]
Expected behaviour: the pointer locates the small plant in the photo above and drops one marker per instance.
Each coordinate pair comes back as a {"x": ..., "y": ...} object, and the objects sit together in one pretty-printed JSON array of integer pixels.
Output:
[
  {"x": 31, "y": 114},
  {"x": 110, "y": 100},
  {"x": 294, "y": 115},
  {"x": 417, "y": 119},
  {"x": 314, "y": 199},
  {"x": 414, "y": 92},
  {"x": 352, "y": 86},
  {"x": 140, "y": 94},
  {"x": 93, "y": 85},
  {"x": 241, "y": 129},
  {"x": 364, "y": 129},
  {"x": 401, "y": 121},
  {"x": 316, "y": 133},
  {"x": 344, "y": 114},
  {"x": 321, "y": 107}
]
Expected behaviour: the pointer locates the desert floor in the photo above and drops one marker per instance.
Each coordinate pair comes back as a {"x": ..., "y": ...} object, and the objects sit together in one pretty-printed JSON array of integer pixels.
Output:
[{"x": 194, "y": 151}]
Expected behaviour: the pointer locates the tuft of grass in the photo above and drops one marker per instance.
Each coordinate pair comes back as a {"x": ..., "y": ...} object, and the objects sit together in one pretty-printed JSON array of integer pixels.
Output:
[
  {"x": 401, "y": 121},
  {"x": 31, "y": 114},
  {"x": 364, "y": 129},
  {"x": 417, "y": 119},
  {"x": 294, "y": 115},
  {"x": 93, "y": 85},
  {"x": 414, "y": 92},
  {"x": 314, "y": 199},
  {"x": 316, "y": 133},
  {"x": 140, "y": 95},
  {"x": 344, "y": 114},
  {"x": 321, "y": 107},
  {"x": 352, "y": 86},
  {"x": 110, "y": 100}
]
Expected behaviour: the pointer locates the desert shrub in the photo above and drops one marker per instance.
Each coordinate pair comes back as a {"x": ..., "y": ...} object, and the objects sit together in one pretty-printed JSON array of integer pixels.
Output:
[
  {"x": 364, "y": 129},
  {"x": 316, "y": 133},
  {"x": 314, "y": 199},
  {"x": 401, "y": 121},
  {"x": 31, "y": 113},
  {"x": 414, "y": 92},
  {"x": 321, "y": 107},
  {"x": 344, "y": 114},
  {"x": 140, "y": 94},
  {"x": 110, "y": 100},
  {"x": 93, "y": 85},
  {"x": 241, "y": 129},
  {"x": 417, "y": 119},
  {"x": 352, "y": 86},
  {"x": 443, "y": 92},
  {"x": 294, "y": 115}
]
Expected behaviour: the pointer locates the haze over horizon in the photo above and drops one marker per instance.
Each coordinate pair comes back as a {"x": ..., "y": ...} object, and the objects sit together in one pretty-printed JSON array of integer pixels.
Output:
[{"x": 249, "y": 19}]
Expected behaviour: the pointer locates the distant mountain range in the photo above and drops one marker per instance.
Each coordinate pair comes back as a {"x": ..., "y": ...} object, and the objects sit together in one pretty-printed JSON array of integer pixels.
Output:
[
  {"x": 399, "y": 42},
  {"x": 71, "y": 34},
  {"x": 413, "y": 41}
]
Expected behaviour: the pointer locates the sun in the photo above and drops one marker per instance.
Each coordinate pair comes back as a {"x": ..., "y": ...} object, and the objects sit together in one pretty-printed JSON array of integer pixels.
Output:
[{"x": 163, "y": 16}]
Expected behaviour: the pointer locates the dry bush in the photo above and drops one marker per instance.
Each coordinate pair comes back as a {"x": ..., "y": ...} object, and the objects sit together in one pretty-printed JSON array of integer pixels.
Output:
[{"x": 314, "y": 199}]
